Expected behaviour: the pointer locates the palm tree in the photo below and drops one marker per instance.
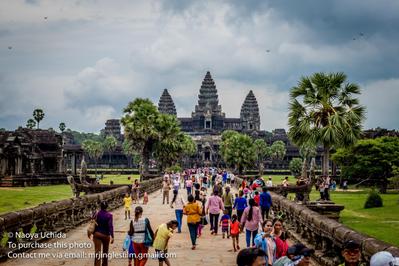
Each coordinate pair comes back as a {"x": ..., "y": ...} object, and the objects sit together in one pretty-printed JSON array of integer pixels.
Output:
[
  {"x": 278, "y": 150},
  {"x": 94, "y": 149},
  {"x": 307, "y": 151},
  {"x": 110, "y": 144},
  {"x": 62, "y": 127},
  {"x": 30, "y": 123},
  {"x": 262, "y": 151},
  {"x": 140, "y": 121},
  {"x": 38, "y": 115},
  {"x": 324, "y": 112}
]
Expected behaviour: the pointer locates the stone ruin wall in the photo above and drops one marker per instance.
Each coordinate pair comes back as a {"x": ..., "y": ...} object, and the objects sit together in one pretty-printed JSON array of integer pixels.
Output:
[
  {"x": 64, "y": 215},
  {"x": 326, "y": 236}
]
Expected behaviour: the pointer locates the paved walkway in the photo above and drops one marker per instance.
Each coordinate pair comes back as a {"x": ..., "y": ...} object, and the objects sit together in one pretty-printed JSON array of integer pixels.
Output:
[{"x": 211, "y": 250}]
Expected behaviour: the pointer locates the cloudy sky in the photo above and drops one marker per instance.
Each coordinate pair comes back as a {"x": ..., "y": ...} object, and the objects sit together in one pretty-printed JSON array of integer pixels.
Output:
[{"x": 83, "y": 61}]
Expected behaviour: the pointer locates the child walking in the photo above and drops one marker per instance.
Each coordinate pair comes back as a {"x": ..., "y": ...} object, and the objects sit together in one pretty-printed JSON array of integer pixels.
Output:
[
  {"x": 162, "y": 236},
  {"x": 145, "y": 198},
  {"x": 225, "y": 222},
  {"x": 235, "y": 232},
  {"x": 127, "y": 200}
]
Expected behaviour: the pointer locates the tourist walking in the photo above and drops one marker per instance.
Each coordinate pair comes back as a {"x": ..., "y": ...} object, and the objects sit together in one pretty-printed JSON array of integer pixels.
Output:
[
  {"x": 225, "y": 223},
  {"x": 240, "y": 203},
  {"x": 136, "y": 191},
  {"x": 193, "y": 211},
  {"x": 265, "y": 202},
  {"x": 103, "y": 235},
  {"x": 189, "y": 185},
  {"x": 128, "y": 243},
  {"x": 178, "y": 204},
  {"x": 265, "y": 241},
  {"x": 213, "y": 207},
  {"x": 228, "y": 200},
  {"x": 280, "y": 238},
  {"x": 235, "y": 232},
  {"x": 127, "y": 201},
  {"x": 162, "y": 236},
  {"x": 250, "y": 220},
  {"x": 142, "y": 237},
  {"x": 165, "y": 191},
  {"x": 203, "y": 221}
]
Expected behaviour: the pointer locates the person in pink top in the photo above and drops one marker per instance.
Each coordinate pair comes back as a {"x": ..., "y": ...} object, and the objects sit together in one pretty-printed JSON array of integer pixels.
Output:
[
  {"x": 250, "y": 220},
  {"x": 213, "y": 207}
]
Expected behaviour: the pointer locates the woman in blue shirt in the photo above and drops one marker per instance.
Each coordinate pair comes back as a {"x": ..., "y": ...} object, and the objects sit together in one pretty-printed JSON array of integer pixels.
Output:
[{"x": 240, "y": 204}]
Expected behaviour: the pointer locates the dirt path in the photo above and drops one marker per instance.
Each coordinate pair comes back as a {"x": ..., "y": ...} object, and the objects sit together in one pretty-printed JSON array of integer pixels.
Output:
[{"x": 211, "y": 250}]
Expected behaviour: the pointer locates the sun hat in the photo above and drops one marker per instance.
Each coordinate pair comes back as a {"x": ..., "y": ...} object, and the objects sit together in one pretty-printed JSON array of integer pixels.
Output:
[{"x": 384, "y": 258}]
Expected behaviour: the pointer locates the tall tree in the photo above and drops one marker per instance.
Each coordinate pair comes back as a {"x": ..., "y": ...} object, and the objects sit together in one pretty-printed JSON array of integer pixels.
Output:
[
  {"x": 38, "y": 115},
  {"x": 278, "y": 150},
  {"x": 94, "y": 149},
  {"x": 262, "y": 151},
  {"x": 30, "y": 123},
  {"x": 238, "y": 150},
  {"x": 140, "y": 122},
  {"x": 130, "y": 152},
  {"x": 373, "y": 160},
  {"x": 62, "y": 127},
  {"x": 307, "y": 151},
  {"x": 110, "y": 144},
  {"x": 295, "y": 166},
  {"x": 324, "y": 112}
]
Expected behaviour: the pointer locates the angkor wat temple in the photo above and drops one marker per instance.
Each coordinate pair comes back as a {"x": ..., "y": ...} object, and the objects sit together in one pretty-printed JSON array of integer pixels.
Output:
[{"x": 207, "y": 122}]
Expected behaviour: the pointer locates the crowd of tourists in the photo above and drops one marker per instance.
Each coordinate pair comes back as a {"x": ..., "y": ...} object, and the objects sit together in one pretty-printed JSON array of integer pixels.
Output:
[{"x": 207, "y": 197}]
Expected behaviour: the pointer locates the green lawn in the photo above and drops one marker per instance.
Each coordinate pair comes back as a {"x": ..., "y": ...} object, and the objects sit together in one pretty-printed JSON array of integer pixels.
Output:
[
  {"x": 119, "y": 179},
  {"x": 381, "y": 223},
  {"x": 12, "y": 199}
]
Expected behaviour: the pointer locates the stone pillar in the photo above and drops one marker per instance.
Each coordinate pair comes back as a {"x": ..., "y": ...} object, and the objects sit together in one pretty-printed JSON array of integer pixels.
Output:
[{"x": 73, "y": 164}]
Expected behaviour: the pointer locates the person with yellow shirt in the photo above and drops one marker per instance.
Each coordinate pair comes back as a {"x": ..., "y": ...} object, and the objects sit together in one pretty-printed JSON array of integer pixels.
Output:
[
  {"x": 193, "y": 210},
  {"x": 127, "y": 200},
  {"x": 162, "y": 236}
]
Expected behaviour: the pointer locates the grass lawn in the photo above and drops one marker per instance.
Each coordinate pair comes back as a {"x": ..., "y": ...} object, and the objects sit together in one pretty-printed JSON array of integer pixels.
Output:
[
  {"x": 119, "y": 179},
  {"x": 17, "y": 198},
  {"x": 381, "y": 223}
]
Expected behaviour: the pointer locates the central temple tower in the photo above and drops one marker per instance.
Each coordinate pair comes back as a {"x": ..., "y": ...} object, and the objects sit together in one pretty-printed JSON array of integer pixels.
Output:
[{"x": 208, "y": 114}]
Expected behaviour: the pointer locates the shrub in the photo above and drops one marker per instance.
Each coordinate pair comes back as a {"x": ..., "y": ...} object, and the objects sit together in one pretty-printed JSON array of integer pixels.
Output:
[{"x": 373, "y": 200}]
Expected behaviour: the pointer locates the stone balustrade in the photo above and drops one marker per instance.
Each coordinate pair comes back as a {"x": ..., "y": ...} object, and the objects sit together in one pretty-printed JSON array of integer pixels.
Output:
[
  {"x": 62, "y": 215},
  {"x": 325, "y": 235}
]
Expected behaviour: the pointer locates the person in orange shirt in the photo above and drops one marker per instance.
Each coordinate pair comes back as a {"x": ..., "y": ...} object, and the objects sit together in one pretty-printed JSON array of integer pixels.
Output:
[
  {"x": 235, "y": 232},
  {"x": 193, "y": 210}
]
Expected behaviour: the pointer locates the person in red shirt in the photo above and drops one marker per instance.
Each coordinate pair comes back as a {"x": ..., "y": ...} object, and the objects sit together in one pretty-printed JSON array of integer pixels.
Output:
[
  {"x": 257, "y": 197},
  {"x": 235, "y": 232},
  {"x": 280, "y": 237}
]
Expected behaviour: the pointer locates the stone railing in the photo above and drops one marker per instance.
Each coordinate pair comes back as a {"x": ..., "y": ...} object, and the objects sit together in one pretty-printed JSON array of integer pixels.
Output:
[
  {"x": 325, "y": 235},
  {"x": 58, "y": 216}
]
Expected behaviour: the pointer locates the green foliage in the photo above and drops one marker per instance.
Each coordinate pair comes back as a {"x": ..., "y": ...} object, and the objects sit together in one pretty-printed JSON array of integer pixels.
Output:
[
  {"x": 295, "y": 166},
  {"x": 110, "y": 143},
  {"x": 151, "y": 133},
  {"x": 373, "y": 200},
  {"x": 374, "y": 159},
  {"x": 80, "y": 137},
  {"x": 30, "y": 123},
  {"x": 278, "y": 150},
  {"x": 94, "y": 149},
  {"x": 38, "y": 115},
  {"x": 323, "y": 111},
  {"x": 62, "y": 127},
  {"x": 174, "y": 168},
  {"x": 262, "y": 151},
  {"x": 237, "y": 149}
]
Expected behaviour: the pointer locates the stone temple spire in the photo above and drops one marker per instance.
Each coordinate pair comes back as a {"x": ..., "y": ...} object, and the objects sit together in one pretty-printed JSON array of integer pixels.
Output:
[
  {"x": 166, "y": 104},
  {"x": 249, "y": 115},
  {"x": 208, "y": 97}
]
